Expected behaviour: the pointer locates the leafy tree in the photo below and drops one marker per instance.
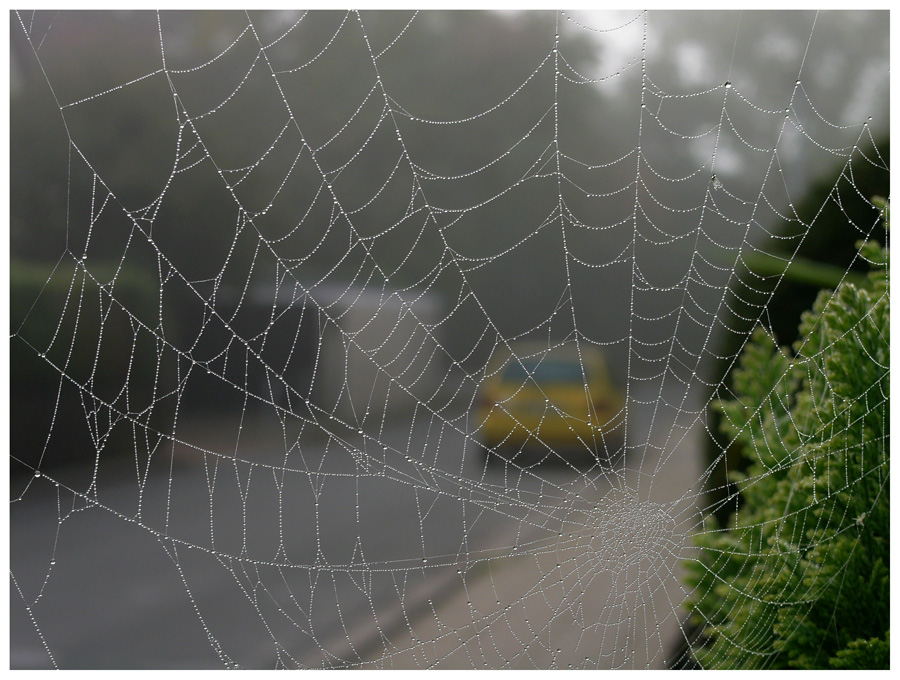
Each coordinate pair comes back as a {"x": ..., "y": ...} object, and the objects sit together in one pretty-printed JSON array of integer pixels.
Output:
[{"x": 799, "y": 578}]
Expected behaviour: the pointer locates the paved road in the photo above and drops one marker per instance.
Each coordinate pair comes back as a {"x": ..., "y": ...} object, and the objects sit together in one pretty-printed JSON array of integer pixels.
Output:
[
  {"x": 601, "y": 589},
  {"x": 277, "y": 548}
]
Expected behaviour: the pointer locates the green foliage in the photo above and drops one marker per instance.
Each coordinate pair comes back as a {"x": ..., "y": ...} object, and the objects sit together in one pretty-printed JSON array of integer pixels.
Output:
[
  {"x": 874, "y": 654},
  {"x": 799, "y": 578}
]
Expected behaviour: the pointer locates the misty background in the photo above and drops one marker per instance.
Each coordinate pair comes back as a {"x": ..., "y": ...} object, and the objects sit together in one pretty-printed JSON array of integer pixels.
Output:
[{"x": 494, "y": 71}]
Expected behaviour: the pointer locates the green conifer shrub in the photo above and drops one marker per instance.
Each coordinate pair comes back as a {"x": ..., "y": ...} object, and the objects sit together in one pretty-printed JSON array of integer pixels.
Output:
[{"x": 800, "y": 576}]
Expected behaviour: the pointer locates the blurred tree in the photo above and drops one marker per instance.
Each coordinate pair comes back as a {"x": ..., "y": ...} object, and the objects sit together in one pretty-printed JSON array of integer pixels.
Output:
[
  {"x": 271, "y": 141},
  {"x": 127, "y": 117},
  {"x": 838, "y": 214}
]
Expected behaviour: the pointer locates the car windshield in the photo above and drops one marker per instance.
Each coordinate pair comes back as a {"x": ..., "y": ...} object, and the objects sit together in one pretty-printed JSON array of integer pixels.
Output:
[{"x": 544, "y": 372}]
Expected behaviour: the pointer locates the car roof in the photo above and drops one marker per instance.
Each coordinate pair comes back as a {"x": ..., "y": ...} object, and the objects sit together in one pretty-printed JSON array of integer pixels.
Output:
[{"x": 538, "y": 350}]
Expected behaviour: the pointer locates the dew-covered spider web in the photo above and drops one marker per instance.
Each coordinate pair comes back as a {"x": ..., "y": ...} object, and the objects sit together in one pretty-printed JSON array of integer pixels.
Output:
[{"x": 393, "y": 339}]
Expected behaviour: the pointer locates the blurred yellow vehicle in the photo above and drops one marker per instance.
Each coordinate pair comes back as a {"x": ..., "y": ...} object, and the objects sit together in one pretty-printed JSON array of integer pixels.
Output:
[{"x": 556, "y": 398}]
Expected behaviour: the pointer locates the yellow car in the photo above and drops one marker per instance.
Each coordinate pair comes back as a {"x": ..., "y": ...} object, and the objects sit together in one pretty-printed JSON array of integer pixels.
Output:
[{"x": 550, "y": 399}]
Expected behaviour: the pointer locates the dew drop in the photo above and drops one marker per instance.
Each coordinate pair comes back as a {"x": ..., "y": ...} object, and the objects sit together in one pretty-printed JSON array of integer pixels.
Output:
[{"x": 727, "y": 84}]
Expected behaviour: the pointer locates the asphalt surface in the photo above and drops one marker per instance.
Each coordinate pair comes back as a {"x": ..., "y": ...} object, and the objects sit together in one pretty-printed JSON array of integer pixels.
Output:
[{"x": 400, "y": 548}]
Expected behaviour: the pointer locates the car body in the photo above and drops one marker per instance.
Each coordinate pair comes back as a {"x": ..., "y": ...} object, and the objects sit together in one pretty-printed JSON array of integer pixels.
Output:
[{"x": 557, "y": 398}]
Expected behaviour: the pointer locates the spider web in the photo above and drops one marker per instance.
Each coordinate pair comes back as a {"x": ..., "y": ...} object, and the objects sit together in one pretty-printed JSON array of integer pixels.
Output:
[{"x": 256, "y": 343}]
